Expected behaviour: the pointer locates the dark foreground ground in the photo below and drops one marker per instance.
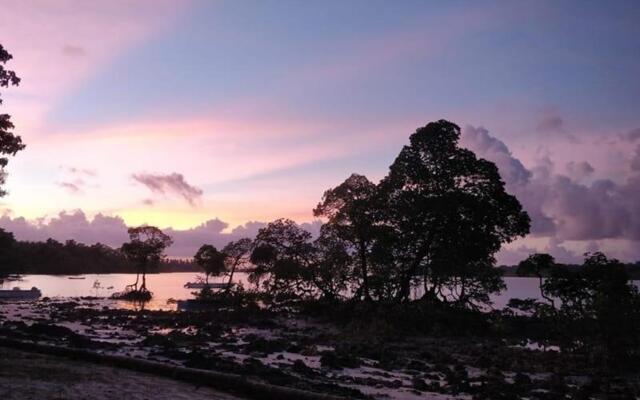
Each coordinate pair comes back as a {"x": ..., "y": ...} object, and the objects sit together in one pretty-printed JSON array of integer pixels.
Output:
[
  {"x": 361, "y": 358},
  {"x": 33, "y": 376}
]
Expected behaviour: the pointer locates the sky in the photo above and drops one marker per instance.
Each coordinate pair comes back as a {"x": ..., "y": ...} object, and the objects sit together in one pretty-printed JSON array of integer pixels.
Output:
[{"x": 210, "y": 118}]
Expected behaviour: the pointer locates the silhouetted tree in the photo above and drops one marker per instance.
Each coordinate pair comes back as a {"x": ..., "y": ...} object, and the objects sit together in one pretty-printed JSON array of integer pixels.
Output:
[
  {"x": 10, "y": 144},
  {"x": 145, "y": 250},
  {"x": 332, "y": 267},
  {"x": 538, "y": 265},
  {"x": 352, "y": 213},
  {"x": 237, "y": 254},
  {"x": 7, "y": 252},
  {"x": 210, "y": 260},
  {"x": 599, "y": 309},
  {"x": 283, "y": 252},
  {"x": 262, "y": 256},
  {"x": 449, "y": 212}
]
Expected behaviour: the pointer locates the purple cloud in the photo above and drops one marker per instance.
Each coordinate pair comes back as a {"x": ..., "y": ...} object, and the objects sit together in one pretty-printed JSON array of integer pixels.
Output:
[
  {"x": 72, "y": 187},
  {"x": 561, "y": 206},
  {"x": 517, "y": 178},
  {"x": 75, "y": 180},
  {"x": 69, "y": 226},
  {"x": 633, "y": 135},
  {"x": 112, "y": 231},
  {"x": 82, "y": 171},
  {"x": 550, "y": 123},
  {"x": 635, "y": 160},
  {"x": 580, "y": 170},
  {"x": 172, "y": 183}
]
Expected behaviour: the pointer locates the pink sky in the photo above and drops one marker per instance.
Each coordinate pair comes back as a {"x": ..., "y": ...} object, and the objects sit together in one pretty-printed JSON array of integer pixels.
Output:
[{"x": 257, "y": 114}]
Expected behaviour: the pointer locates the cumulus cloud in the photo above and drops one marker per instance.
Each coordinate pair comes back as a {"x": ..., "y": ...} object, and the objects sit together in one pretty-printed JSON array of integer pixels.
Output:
[
  {"x": 171, "y": 183},
  {"x": 513, "y": 255},
  {"x": 579, "y": 170},
  {"x": 518, "y": 179},
  {"x": 69, "y": 226},
  {"x": 635, "y": 160},
  {"x": 550, "y": 122},
  {"x": 633, "y": 135},
  {"x": 563, "y": 207},
  {"x": 112, "y": 231},
  {"x": 187, "y": 242},
  {"x": 490, "y": 148}
]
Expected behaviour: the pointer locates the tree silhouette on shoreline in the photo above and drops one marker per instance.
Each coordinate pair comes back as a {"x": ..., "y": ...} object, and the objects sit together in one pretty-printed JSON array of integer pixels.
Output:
[
  {"x": 449, "y": 212},
  {"x": 352, "y": 218},
  {"x": 210, "y": 260},
  {"x": 145, "y": 249}
]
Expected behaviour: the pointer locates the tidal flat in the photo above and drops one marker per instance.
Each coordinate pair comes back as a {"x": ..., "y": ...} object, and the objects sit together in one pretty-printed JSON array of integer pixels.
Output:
[{"x": 313, "y": 353}]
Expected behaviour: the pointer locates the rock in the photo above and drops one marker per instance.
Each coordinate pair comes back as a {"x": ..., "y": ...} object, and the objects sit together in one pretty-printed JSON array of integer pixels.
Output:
[
  {"x": 335, "y": 360},
  {"x": 300, "y": 367},
  {"x": 419, "y": 384}
]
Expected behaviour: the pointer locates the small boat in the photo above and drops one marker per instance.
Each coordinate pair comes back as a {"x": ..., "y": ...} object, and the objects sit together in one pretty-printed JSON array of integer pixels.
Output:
[
  {"x": 77, "y": 277},
  {"x": 20, "y": 294},
  {"x": 212, "y": 285}
]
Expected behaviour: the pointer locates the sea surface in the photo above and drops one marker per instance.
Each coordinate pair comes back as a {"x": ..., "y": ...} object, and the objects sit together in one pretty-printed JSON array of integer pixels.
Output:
[{"x": 167, "y": 287}]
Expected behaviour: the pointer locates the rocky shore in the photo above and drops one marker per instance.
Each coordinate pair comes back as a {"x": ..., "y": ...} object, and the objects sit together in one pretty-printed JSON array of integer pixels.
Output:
[{"x": 302, "y": 352}]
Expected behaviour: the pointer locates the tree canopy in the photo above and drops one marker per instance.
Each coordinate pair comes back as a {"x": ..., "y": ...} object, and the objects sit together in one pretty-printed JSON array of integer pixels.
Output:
[
  {"x": 351, "y": 217},
  {"x": 10, "y": 143},
  {"x": 145, "y": 249},
  {"x": 449, "y": 212},
  {"x": 210, "y": 260}
]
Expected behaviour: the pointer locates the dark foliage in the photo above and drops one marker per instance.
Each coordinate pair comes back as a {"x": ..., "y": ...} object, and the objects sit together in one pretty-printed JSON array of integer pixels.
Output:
[
  {"x": 10, "y": 144},
  {"x": 145, "y": 250},
  {"x": 70, "y": 258},
  {"x": 53, "y": 257},
  {"x": 450, "y": 214},
  {"x": 210, "y": 260}
]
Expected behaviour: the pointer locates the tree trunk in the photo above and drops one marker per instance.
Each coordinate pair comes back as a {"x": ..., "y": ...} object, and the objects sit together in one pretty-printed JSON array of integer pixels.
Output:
[
  {"x": 233, "y": 270},
  {"x": 363, "y": 268},
  {"x": 544, "y": 296},
  {"x": 143, "y": 287},
  {"x": 405, "y": 280}
]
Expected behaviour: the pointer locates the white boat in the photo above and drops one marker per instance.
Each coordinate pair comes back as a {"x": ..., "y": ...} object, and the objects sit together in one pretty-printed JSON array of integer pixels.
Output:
[
  {"x": 20, "y": 294},
  {"x": 211, "y": 285}
]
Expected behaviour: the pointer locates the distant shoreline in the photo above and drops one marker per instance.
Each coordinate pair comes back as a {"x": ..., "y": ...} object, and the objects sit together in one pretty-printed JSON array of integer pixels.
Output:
[{"x": 161, "y": 271}]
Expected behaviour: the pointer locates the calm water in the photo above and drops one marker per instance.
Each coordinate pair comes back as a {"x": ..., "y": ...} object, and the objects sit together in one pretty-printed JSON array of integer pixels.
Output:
[
  {"x": 164, "y": 286},
  {"x": 171, "y": 286}
]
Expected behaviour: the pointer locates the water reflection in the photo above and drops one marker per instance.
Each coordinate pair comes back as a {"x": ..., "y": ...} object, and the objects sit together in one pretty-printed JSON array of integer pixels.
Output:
[
  {"x": 169, "y": 287},
  {"x": 165, "y": 287}
]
